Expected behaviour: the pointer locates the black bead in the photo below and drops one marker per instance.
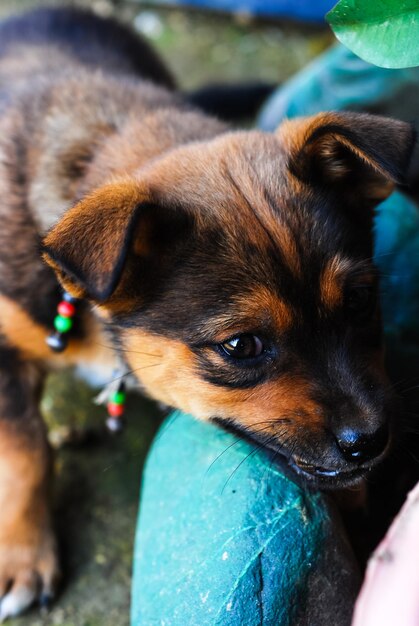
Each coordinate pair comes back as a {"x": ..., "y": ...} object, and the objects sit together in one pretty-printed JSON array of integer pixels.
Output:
[
  {"x": 45, "y": 601},
  {"x": 114, "y": 425},
  {"x": 57, "y": 342},
  {"x": 69, "y": 298}
]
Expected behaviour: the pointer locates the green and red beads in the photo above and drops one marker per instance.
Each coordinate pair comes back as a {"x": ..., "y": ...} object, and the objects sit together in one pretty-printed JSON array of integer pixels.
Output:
[
  {"x": 63, "y": 323},
  {"x": 116, "y": 409},
  {"x": 58, "y": 341}
]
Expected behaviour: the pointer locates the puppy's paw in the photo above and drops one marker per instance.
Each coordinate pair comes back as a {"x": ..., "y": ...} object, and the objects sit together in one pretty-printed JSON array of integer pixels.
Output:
[{"x": 29, "y": 571}]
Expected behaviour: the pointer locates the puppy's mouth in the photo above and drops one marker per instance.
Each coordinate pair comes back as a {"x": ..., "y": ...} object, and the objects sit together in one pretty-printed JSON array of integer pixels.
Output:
[
  {"x": 332, "y": 477},
  {"x": 328, "y": 477},
  {"x": 316, "y": 475},
  {"x": 323, "y": 477}
]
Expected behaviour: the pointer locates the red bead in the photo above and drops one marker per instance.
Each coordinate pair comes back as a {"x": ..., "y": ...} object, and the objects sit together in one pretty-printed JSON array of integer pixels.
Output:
[
  {"x": 115, "y": 410},
  {"x": 66, "y": 309}
]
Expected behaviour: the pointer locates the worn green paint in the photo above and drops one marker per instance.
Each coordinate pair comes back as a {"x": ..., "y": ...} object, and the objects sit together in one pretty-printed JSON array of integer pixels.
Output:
[
  {"x": 224, "y": 537},
  {"x": 383, "y": 32}
]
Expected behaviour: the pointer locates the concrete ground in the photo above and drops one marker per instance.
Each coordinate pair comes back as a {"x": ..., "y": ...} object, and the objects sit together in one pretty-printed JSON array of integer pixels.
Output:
[{"x": 98, "y": 478}]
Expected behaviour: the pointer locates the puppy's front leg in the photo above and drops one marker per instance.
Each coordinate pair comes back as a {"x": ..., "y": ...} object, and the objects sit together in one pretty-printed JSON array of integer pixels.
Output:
[{"x": 28, "y": 554}]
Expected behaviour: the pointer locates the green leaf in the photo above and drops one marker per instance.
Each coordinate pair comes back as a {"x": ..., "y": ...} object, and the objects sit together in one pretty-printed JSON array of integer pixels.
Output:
[{"x": 383, "y": 32}]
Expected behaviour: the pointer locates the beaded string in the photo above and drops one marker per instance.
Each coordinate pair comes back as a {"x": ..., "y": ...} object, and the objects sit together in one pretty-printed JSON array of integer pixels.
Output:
[
  {"x": 116, "y": 408},
  {"x": 63, "y": 323},
  {"x": 114, "y": 394}
]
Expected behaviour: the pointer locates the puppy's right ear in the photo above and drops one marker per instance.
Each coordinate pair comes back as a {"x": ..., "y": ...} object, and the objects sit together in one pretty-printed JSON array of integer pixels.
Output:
[
  {"x": 360, "y": 156},
  {"x": 89, "y": 246}
]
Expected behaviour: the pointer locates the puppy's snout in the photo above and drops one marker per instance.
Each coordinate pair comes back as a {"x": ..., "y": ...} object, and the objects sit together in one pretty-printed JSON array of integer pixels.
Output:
[{"x": 358, "y": 446}]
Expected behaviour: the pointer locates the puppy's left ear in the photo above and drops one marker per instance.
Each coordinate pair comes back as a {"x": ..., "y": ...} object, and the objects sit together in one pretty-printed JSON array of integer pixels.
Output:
[
  {"x": 363, "y": 156},
  {"x": 90, "y": 246}
]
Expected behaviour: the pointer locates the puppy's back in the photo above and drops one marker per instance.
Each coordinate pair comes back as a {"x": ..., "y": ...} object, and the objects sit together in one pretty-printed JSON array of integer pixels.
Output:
[{"x": 46, "y": 35}]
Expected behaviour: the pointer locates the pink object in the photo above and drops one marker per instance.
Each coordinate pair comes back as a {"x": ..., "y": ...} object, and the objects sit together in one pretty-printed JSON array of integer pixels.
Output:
[{"x": 390, "y": 593}]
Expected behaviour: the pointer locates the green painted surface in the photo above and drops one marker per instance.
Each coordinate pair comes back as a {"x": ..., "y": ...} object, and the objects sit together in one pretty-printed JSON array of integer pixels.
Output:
[{"x": 224, "y": 538}]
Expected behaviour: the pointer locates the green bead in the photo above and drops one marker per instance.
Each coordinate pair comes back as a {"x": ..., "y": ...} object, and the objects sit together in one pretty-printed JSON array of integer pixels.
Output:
[
  {"x": 118, "y": 397},
  {"x": 63, "y": 324}
]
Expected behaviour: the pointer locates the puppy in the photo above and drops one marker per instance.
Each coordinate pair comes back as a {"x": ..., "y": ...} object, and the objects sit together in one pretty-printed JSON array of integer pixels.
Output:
[{"x": 233, "y": 270}]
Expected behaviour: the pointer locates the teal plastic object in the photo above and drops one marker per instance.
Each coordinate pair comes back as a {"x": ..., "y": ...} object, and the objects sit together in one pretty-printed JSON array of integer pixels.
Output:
[
  {"x": 339, "y": 80},
  {"x": 226, "y": 538},
  {"x": 397, "y": 257}
]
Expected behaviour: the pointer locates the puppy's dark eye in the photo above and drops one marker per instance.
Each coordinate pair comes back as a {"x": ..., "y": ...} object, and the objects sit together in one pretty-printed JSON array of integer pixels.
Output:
[
  {"x": 243, "y": 347},
  {"x": 361, "y": 300}
]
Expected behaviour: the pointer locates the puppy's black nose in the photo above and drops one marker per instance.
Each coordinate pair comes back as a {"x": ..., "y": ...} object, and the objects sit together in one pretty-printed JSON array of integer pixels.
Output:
[{"x": 358, "y": 446}]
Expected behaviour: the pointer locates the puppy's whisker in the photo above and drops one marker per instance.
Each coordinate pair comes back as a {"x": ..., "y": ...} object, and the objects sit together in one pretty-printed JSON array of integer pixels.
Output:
[
  {"x": 133, "y": 371},
  {"x": 410, "y": 453},
  {"x": 118, "y": 348},
  {"x": 268, "y": 425},
  {"x": 254, "y": 451},
  {"x": 268, "y": 469},
  {"x": 165, "y": 427},
  {"x": 409, "y": 389},
  {"x": 403, "y": 381},
  {"x": 234, "y": 443},
  {"x": 283, "y": 444}
]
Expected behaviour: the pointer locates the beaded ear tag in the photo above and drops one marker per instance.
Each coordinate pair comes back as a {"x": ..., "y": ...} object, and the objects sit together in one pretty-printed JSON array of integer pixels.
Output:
[
  {"x": 63, "y": 323},
  {"x": 114, "y": 396},
  {"x": 116, "y": 409}
]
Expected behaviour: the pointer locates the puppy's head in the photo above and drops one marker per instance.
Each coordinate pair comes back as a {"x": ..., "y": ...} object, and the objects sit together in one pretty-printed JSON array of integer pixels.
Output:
[{"x": 238, "y": 276}]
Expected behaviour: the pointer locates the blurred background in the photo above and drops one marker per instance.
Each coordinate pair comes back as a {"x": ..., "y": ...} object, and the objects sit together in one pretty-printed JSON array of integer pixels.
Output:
[
  {"x": 201, "y": 46},
  {"x": 98, "y": 477}
]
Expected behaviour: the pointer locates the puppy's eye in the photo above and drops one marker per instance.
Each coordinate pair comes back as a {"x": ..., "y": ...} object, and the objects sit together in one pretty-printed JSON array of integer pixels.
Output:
[
  {"x": 361, "y": 300},
  {"x": 243, "y": 347}
]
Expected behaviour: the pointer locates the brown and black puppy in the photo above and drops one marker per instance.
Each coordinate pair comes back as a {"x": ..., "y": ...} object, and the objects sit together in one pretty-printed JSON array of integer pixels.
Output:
[{"x": 233, "y": 269}]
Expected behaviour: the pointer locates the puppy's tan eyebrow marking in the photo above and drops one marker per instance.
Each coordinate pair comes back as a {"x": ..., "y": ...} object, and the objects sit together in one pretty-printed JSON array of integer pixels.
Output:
[
  {"x": 288, "y": 248},
  {"x": 259, "y": 308},
  {"x": 281, "y": 313},
  {"x": 332, "y": 279}
]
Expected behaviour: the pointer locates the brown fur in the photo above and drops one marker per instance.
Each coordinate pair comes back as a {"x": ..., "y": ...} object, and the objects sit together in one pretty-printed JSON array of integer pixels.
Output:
[
  {"x": 307, "y": 140},
  {"x": 168, "y": 371},
  {"x": 331, "y": 282},
  {"x": 29, "y": 338},
  {"x": 24, "y": 499}
]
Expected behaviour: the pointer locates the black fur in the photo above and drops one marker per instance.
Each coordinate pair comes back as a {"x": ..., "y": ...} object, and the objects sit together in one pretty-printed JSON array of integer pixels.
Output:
[{"x": 95, "y": 41}]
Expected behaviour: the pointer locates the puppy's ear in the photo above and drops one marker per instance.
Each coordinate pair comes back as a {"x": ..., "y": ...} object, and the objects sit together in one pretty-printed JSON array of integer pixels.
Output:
[
  {"x": 89, "y": 246},
  {"x": 363, "y": 155}
]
